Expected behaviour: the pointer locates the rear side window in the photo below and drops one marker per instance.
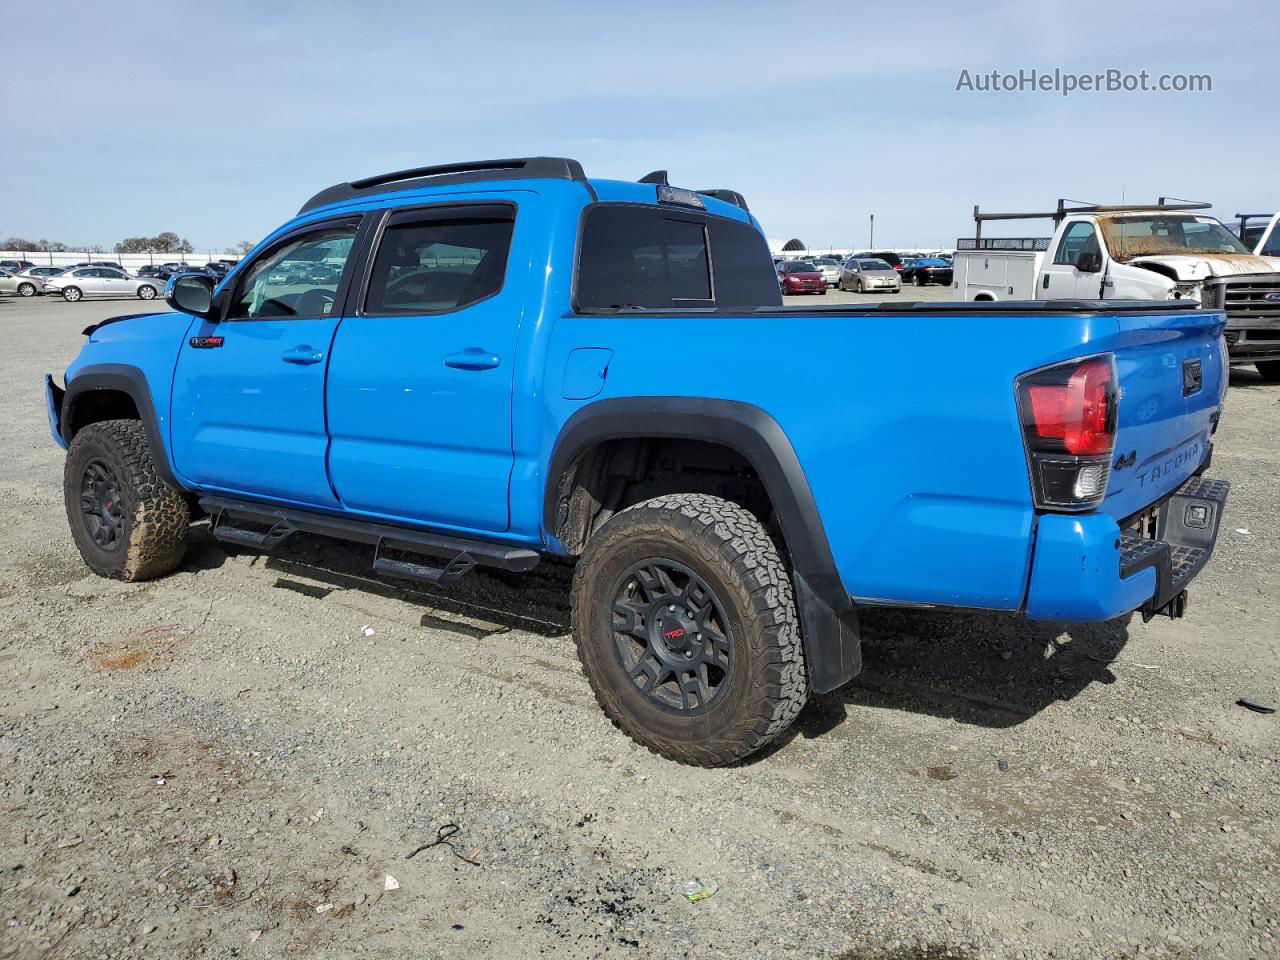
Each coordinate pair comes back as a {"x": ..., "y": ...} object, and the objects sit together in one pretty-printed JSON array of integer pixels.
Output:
[
  {"x": 637, "y": 256},
  {"x": 441, "y": 260}
]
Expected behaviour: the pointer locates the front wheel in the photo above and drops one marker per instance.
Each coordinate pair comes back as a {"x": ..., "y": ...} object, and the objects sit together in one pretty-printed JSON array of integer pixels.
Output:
[
  {"x": 1270, "y": 370},
  {"x": 26, "y": 289},
  {"x": 146, "y": 293},
  {"x": 71, "y": 294},
  {"x": 687, "y": 631},
  {"x": 127, "y": 522}
]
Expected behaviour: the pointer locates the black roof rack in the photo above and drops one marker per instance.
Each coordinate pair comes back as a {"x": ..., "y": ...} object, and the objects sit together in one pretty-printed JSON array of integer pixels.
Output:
[
  {"x": 474, "y": 171},
  {"x": 728, "y": 196},
  {"x": 1064, "y": 211}
]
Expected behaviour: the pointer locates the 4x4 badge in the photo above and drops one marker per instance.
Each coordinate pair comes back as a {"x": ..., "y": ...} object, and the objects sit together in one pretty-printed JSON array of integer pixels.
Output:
[{"x": 1126, "y": 460}]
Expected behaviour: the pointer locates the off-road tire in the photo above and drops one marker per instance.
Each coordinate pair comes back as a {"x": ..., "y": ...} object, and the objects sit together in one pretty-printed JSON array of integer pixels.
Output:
[
  {"x": 1270, "y": 370},
  {"x": 156, "y": 517},
  {"x": 732, "y": 553}
]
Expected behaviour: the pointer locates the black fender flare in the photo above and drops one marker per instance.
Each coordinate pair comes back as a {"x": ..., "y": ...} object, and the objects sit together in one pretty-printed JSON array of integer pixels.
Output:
[
  {"x": 828, "y": 618},
  {"x": 127, "y": 379}
]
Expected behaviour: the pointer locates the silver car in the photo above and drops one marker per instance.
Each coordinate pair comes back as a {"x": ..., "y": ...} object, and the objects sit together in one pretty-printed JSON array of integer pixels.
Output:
[
  {"x": 869, "y": 276},
  {"x": 100, "y": 282},
  {"x": 23, "y": 286},
  {"x": 829, "y": 268}
]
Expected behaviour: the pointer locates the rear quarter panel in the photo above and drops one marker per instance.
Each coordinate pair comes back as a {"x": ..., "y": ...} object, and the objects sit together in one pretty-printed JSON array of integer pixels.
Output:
[{"x": 905, "y": 425}]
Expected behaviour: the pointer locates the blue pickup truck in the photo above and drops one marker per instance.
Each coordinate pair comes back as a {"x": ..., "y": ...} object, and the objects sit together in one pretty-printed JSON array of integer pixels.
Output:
[{"x": 492, "y": 362}]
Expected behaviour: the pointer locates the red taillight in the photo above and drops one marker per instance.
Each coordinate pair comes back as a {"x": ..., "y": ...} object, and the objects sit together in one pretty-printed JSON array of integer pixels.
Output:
[
  {"x": 1068, "y": 424},
  {"x": 1079, "y": 412}
]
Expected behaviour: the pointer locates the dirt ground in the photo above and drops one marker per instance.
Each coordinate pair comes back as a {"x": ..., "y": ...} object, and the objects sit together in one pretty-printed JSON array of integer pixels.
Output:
[{"x": 234, "y": 761}]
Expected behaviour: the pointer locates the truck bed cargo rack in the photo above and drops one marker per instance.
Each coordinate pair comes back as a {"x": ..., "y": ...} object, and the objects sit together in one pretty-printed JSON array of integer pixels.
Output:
[
  {"x": 1165, "y": 204},
  {"x": 1003, "y": 243},
  {"x": 472, "y": 171}
]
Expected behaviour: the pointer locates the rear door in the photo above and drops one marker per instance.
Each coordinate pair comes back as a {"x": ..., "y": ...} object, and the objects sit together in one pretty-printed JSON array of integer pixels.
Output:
[
  {"x": 419, "y": 391},
  {"x": 248, "y": 392}
]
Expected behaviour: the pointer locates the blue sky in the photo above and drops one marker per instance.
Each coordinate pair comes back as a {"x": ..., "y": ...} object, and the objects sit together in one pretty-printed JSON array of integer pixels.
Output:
[{"x": 216, "y": 120}]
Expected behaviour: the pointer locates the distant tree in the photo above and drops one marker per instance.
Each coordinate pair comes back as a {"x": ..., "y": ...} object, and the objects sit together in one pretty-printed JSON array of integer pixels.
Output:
[
  {"x": 243, "y": 247},
  {"x": 167, "y": 242}
]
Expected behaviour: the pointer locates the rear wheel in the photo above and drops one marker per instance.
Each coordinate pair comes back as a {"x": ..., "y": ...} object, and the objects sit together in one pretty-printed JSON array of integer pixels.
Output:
[
  {"x": 71, "y": 294},
  {"x": 687, "y": 631},
  {"x": 1270, "y": 370},
  {"x": 921, "y": 279},
  {"x": 127, "y": 522},
  {"x": 26, "y": 289}
]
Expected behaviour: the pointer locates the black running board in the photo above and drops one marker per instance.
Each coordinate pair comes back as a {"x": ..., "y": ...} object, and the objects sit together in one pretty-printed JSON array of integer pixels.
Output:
[{"x": 461, "y": 555}]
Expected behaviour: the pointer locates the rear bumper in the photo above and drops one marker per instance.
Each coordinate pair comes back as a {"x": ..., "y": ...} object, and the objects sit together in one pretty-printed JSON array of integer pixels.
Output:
[{"x": 1085, "y": 568}]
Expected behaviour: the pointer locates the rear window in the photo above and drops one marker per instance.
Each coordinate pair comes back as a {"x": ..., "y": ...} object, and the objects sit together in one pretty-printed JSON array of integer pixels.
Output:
[{"x": 653, "y": 258}]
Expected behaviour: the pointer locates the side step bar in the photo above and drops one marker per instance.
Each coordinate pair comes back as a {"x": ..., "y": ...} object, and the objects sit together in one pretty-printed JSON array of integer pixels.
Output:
[{"x": 461, "y": 555}]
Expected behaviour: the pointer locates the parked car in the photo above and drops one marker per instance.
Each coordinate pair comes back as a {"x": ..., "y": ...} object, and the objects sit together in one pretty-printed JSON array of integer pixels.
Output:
[
  {"x": 892, "y": 259},
  {"x": 800, "y": 276},
  {"x": 15, "y": 266},
  {"x": 927, "y": 270},
  {"x": 150, "y": 270},
  {"x": 109, "y": 264},
  {"x": 219, "y": 268},
  {"x": 830, "y": 270},
  {"x": 88, "y": 282},
  {"x": 174, "y": 266},
  {"x": 727, "y": 525},
  {"x": 869, "y": 276},
  {"x": 16, "y": 283},
  {"x": 36, "y": 277},
  {"x": 1154, "y": 252}
]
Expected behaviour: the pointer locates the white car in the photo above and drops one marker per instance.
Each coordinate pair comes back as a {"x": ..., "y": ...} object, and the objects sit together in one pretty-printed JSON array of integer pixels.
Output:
[{"x": 100, "y": 282}]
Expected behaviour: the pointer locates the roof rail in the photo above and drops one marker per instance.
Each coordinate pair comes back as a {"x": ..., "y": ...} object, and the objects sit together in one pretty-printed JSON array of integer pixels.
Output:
[
  {"x": 728, "y": 196},
  {"x": 474, "y": 171}
]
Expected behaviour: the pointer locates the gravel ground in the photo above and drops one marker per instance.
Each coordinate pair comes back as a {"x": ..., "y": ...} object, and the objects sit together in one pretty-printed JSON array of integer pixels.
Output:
[{"x": 233, "y": 761}]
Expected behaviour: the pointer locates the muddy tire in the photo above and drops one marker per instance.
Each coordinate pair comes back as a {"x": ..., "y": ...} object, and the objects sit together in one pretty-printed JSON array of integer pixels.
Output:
[
  {"x": 127, "y": 522},
  {"x": 687, "y": 630},
  {"x": 1270, "y": 370}
]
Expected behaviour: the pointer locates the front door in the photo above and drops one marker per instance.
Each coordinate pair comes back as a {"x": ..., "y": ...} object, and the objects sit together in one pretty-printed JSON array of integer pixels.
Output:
[
  {"x": 248, "y": 392},
  {"x": 421, "y": 378},
  {"x": 1060, "y": 279},
  {"x": 116, "y": 284}
]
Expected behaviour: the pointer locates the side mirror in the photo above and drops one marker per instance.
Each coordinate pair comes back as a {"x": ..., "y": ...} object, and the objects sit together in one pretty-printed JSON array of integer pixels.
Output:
[
  {"x": 1089, "y": 261},
  {"x": 190, "y": 294}
]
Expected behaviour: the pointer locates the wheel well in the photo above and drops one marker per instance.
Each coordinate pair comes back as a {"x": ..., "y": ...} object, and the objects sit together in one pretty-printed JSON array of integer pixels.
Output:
[
  {"x": 94, "y": 406},
  {"x": 615, "y": 474},
  {"x": 983, "y": 298}
]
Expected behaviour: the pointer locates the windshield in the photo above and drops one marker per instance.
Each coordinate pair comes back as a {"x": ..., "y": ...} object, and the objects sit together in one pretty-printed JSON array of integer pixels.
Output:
[
  {"x": 798, "y": 266},
  {"x": 1150, "y": 235},
  {"x": 874, "y": 265},
  {"x": 826, "y": 262}
]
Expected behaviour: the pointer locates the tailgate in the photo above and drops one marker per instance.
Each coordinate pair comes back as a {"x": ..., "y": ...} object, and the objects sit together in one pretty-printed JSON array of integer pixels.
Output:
[{"x": 1171, "y": 370}]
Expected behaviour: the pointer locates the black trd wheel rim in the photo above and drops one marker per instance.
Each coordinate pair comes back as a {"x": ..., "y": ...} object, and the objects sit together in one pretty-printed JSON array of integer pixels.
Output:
[
  {"x": 672, "y": 637},
  {"x": 101, "y": 506}
]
